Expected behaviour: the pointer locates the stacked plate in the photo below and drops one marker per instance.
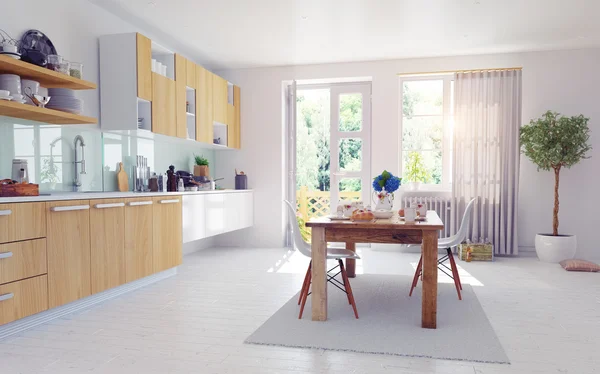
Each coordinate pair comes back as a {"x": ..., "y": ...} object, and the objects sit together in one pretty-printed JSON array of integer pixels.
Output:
[
  {"x": 11, "y": 83},
  {"x": 64, "y": 99}
]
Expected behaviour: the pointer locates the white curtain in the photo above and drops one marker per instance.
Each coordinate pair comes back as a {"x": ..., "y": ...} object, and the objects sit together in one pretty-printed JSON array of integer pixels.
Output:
[{"x": 487, "y": 118}]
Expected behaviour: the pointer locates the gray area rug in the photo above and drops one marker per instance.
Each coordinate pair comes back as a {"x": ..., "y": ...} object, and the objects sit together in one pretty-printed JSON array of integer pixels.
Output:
[{"x": 389, "y": 323}]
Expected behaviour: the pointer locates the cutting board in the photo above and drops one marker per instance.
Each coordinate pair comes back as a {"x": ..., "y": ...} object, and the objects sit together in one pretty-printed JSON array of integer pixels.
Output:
[{"x": 122, "y": 179}]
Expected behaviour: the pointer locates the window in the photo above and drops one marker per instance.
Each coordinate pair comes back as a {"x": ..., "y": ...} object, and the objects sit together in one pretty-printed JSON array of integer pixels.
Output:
[{"x": 426, "y": 128}]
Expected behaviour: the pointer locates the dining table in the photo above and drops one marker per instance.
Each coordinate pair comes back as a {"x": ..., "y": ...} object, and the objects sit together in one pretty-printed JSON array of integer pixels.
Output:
[{"x": 394, "y": 230}]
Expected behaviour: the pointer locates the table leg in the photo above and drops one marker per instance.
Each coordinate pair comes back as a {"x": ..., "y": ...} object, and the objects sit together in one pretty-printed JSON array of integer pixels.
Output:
[
  {"x": 430, "y": 275},
  {"x": 319, "y": 274},
  {"x": 350, "y": 262}
]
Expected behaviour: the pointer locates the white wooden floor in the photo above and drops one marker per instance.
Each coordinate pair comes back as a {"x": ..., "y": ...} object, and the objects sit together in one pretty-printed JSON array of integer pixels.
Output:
[{"x": 548, "y": 321}]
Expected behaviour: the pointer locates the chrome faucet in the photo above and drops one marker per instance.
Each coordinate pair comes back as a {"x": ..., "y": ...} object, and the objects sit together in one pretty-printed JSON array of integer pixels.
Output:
[{"x": 76, "y": 179}]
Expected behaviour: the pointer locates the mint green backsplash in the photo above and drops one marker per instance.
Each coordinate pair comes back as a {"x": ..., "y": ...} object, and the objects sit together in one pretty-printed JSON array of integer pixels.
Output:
[{"x": 103, "y": 151}]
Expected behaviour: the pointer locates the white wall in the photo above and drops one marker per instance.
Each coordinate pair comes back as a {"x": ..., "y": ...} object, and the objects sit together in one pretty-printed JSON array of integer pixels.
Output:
[{"x": 565, "y": 81}]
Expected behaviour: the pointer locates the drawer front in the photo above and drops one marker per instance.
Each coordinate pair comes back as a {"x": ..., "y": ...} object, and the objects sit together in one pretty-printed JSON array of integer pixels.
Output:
[
  {"x": 23, "y": 298},
  {"x": 22, "y": 260},
  {"x": 22, "y": 221}
]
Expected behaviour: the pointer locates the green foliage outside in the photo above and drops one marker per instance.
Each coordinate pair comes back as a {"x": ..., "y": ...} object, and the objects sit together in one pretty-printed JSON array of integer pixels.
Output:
[
  {"x": 49, "y": 172},
  {"x": 553, "y": 142},
  {"x": 423, "y": 135}
]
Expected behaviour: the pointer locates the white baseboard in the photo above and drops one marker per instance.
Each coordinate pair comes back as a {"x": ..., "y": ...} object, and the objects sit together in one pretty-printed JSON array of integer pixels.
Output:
[{"x": 48, "y": 315}]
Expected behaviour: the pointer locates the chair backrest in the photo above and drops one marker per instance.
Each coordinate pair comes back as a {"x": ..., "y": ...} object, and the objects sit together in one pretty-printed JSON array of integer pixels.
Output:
[
  {"x": 299, "y": 243},
  {"x": 464, "y": 225}
]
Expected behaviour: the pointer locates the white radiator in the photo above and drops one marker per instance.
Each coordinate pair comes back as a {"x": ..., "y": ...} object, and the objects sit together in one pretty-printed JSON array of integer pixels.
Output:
[{"x": 441, "y": 205}]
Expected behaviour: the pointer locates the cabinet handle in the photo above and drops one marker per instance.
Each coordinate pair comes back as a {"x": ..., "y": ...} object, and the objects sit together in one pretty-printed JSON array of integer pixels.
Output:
[
  {"x": 7, "y": 212},
  {"x": 138, "y": 203},
  {"x": 7, "y": 296},
  {"x": 168, "y": 201},
  {"x": 69, "y": 208},
  {"x": 112, "y": 205},
  {"x": 5, "y": 255}
]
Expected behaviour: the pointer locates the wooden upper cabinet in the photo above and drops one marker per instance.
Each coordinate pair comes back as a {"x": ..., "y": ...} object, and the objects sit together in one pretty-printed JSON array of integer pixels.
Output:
[
  {"x": 68, "y": 247},
  {"x": 219, "y": 99},
  {"x": 138, "y": 238},
  {"x": 231, "y": 128},
  {"x": 181, "y": 97},
  {"x": 107, "y": 223},
  {"x": 144, "y": 67},
  {"x": 237, "y": 104},
  {"x": 204, "y": 105},
  {"x": 167, "y": 232},
  {"x": 191, "y": 74},
  {"x": 164, "y": 118}
]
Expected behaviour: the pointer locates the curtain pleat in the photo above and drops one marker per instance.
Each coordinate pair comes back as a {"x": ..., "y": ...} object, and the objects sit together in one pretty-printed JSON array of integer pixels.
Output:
[{"x": 487, "y": 115}]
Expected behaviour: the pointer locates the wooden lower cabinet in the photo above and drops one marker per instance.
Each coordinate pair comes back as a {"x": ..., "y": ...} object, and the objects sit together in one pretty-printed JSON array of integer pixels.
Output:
[
  {"x": 68, "y": 250},
  {"x": 22, "y": 260},
  {"x": 22, "y": 221},
  {"x": 107, "y": 227},
  {"x": 138, "y": 238},
  {"x": 23, "y": 298},
  {"x": 167, "y": 232}
]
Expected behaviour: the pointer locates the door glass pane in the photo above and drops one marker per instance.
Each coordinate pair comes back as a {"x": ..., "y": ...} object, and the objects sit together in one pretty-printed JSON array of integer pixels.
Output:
[
  {"x": 350, "y": 112},
  {"x": 350, "y": 154},
  {"x": 350, "y": 188},
  {"x": 422, "y": 166},
  {"x": 312, "y": 152}
]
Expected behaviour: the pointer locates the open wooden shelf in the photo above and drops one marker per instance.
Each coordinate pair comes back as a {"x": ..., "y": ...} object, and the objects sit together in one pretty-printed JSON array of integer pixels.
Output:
[
  {"x": 46, "y": 77},
  {"x": 33, "y": 113}
]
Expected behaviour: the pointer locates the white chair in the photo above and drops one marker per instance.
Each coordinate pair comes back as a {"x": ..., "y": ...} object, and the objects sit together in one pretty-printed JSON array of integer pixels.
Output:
[
  {"x": 447, "y": 244},
  {"x": 338, "y": 254}
]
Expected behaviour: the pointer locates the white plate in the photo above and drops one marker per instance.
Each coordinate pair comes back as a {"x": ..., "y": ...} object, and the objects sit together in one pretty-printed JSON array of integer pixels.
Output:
[
  {"x": 337, "y": 218},
  {"x": 7, "y": 98}
]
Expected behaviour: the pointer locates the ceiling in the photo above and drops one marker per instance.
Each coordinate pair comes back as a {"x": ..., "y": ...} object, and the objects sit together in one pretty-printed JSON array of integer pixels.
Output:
[{"x": 256, "y": 33}]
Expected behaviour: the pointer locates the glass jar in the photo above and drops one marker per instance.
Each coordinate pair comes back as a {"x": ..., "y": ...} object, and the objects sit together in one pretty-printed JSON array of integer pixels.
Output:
[
  {"x": 76, "y": 70},
  {"x": 54, "y": 62},
  {"x": 63, "y": 67}
]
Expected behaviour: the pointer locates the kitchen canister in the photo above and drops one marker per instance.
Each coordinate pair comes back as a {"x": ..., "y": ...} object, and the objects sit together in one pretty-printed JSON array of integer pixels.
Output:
[{"x": 241, "y": 181}]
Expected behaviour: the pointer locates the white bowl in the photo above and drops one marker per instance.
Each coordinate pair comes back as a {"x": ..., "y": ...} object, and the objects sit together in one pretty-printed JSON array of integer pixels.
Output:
[
  {"x": 17, "y": 97},
  {"x": 4, "y": 93},
  {"x": 383, "y": 214}
]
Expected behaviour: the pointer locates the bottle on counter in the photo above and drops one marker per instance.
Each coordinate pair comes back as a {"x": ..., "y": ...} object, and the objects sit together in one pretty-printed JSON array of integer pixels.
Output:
[{"x": 180, "y": 186}]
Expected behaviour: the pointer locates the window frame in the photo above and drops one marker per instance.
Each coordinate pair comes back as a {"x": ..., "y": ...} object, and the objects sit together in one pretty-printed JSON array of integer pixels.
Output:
[{"x": 447, "y": 118}]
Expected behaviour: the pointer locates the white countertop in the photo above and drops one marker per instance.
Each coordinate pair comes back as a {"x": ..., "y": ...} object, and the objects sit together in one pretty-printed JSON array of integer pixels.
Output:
[{"x": 59, "y": 196}]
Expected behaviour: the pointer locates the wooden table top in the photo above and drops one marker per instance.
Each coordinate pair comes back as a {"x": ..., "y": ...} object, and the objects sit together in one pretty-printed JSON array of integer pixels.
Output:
[{"x": 433, "y": 222}]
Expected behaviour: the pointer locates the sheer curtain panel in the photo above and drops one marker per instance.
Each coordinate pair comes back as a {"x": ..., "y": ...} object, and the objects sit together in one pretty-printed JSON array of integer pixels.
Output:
[{"x": 487, "y": 118}]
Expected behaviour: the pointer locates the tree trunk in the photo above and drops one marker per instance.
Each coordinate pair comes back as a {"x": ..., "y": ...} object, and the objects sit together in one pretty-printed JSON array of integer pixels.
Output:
[{"x": 556, "y": 203}]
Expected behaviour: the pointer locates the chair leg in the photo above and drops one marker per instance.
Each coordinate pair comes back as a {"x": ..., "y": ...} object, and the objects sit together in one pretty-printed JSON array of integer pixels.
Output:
[
  {"x": 305, "y": 282},
  {"x": 453, "y": 263},
  {"x": 454, "y": 273},
  {"x": 344, "y": 281},
  {"x": 348, "y": 288},
  {"x": 416, "y": 277},
  {"x": 304, "y": 295}
]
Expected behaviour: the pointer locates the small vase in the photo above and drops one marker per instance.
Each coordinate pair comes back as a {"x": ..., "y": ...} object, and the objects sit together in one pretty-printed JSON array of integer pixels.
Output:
[{"x": 384, "y": 200}]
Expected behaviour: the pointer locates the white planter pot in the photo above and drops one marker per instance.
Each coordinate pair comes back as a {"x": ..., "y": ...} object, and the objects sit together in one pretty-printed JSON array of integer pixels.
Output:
[
  {"x": 413, "y": 186},
  {"x": 555, "y": 248}
]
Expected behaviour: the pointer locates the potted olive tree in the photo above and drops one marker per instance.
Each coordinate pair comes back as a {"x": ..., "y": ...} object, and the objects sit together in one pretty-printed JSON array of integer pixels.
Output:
[
  {"x": 553, "y": 142},
  {"x": 201, "y": 166},
  {"x": 415, "y": 171}
]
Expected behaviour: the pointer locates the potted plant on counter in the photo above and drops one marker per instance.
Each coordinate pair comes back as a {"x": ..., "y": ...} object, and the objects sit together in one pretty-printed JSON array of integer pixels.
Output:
[
  {"x": 201, "y": 166},
  {"x": 553, "y": 142}
]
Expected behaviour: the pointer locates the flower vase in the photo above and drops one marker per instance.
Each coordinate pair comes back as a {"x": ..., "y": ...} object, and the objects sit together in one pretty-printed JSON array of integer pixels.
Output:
[{"x": 384, "y": 200}]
